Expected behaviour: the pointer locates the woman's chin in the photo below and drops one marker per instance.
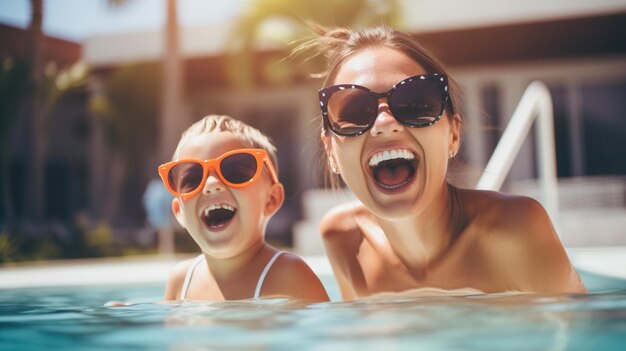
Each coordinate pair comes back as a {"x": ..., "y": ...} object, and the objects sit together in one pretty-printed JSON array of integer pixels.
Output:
[
  {"x": 395, "y": 203},
  {"x": 395, "y": 210}
]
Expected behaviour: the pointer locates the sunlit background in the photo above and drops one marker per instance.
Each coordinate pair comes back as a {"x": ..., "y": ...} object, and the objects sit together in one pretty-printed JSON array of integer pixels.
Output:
[{"x": 95, "y": 93}]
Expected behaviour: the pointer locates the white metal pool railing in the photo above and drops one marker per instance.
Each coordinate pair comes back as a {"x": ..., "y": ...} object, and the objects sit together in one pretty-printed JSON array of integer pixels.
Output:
[{"x": 536, "y": 103}]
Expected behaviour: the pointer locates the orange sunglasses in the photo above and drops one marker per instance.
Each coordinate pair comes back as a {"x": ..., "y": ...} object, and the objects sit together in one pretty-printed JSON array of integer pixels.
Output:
[{"x": 237, "y": 169}]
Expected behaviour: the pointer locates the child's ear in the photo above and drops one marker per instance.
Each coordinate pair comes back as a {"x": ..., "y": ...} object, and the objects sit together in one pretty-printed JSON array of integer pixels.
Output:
[
  {"x": 275, "y": 199},
  {"x": 177, "y": 212}
]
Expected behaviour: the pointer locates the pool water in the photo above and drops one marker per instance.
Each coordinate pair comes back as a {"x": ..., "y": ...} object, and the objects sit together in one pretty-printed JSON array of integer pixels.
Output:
[{"x": 75, "y": 319}]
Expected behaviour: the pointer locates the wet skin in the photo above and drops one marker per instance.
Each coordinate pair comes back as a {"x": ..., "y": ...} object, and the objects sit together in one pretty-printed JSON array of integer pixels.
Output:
[{"x": 428, "y": 234}]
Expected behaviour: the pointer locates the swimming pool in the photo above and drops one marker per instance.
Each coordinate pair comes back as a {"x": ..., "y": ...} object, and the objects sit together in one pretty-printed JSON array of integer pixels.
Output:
[{"x": 74, "y": 318}]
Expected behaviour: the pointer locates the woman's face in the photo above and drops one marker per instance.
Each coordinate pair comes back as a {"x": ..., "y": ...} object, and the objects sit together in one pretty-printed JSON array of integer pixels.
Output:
[{"x": 395, "y": 171}]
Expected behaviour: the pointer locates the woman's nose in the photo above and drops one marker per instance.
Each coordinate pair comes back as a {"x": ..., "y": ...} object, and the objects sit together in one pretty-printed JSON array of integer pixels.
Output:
[
  {"x": 213, "y": 184},
  {"x": 385, "y": 122}
]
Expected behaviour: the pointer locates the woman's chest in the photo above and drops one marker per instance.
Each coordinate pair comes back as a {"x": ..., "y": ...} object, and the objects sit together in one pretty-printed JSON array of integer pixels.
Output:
[{"x": 376, "y": 268}]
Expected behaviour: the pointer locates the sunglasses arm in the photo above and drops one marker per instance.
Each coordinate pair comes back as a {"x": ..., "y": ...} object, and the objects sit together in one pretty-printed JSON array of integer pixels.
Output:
[{"x": 269, "y": 165}]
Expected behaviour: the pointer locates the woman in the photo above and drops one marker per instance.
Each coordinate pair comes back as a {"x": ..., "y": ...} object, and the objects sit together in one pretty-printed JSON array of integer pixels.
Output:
[{"x": 390, "y": 127}]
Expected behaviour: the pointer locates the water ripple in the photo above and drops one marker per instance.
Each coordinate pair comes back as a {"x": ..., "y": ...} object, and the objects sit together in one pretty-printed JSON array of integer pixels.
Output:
[{"x": 60, "y": 319}]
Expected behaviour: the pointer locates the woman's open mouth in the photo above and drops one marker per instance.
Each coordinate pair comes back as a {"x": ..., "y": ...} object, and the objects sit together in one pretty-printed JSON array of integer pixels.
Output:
[
  {"x": 392, "y": 170},
  {"x": 217, "y": 217}
]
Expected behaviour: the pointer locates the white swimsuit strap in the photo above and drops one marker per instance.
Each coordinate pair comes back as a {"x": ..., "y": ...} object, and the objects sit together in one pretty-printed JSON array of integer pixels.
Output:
[
  {"x": 259, "y": 284},
  {"x": 183, "y": 292}
]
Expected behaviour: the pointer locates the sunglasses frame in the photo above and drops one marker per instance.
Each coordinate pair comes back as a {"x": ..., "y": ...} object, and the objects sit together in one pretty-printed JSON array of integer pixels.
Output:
[
  {"x": 260, "y": 156},
  {"x": 326, "y": 93}
]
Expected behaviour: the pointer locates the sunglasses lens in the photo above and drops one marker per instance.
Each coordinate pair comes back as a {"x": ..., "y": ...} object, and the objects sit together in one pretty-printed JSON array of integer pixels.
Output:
[
  {"x": 185, "y": 177},
  {"x": 351, "y": 111},
  {"x": 238, "y": 168},
  {"x": 417, "y": 103}
]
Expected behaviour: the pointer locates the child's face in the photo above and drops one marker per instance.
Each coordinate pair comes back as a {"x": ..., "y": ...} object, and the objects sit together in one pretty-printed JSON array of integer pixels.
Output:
[{"x": 225, "y": 221}]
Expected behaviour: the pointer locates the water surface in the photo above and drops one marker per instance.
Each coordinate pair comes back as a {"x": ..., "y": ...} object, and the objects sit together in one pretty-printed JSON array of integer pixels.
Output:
[{"x": 75, "y": 319}]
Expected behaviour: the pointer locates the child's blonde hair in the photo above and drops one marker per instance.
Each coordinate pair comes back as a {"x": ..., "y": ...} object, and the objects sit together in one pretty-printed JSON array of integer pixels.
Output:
[{"x": 216, "y": 123}]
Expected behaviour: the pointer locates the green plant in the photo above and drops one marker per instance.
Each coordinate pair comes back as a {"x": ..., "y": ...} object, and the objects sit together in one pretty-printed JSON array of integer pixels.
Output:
[
  {"x": 8, "y": 247},
  {"x": 127, "y": 107},
  {"x": 13, "y": 87}
]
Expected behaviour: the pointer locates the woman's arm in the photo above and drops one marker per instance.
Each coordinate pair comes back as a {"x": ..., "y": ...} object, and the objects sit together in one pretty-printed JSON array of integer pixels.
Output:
[{"x": 342, "y": 239}]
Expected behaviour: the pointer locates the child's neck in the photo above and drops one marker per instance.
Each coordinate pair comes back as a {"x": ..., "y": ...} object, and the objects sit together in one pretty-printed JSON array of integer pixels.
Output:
[{"x": 225, "y": 268}]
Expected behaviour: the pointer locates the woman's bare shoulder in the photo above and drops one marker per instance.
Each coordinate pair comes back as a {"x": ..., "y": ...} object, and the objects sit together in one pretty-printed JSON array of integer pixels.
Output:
[
  {"x": 496, "y": 213},
  {"x": 508, "y": 225},
  {"x": 342, "y": 220},
  {"x": 516, "y": 234}
]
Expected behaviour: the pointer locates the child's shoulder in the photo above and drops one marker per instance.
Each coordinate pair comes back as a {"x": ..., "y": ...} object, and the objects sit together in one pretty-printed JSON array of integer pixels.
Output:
[
  {"x": 177, "y": 279},
  {"x": 292, "y": 276},
  {"x": 290, "y": 263}
]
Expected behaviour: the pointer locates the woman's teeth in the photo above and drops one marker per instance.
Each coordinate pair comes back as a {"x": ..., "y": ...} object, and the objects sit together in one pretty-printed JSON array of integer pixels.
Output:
[{"x": 390, "y": 155}]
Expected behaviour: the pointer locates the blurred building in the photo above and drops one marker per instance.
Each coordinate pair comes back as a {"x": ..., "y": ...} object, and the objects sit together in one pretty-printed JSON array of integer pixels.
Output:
[
  {"x": 493, "y": 49},
  {"x": 66, "y": 165}
]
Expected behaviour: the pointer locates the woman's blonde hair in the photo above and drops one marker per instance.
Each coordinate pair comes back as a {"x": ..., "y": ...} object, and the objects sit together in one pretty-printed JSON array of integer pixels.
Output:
[{"x": 217, "y": 123}]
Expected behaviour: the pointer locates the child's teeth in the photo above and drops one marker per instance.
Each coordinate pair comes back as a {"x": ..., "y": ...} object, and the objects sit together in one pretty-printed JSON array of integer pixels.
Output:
[
  {"x": 390, "y": 155},
  {"x": 217, "y": 207}
]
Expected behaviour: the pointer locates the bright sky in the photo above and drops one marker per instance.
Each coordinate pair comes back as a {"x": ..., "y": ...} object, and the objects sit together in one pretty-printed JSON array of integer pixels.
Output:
[{"x": 77, "y": 19}]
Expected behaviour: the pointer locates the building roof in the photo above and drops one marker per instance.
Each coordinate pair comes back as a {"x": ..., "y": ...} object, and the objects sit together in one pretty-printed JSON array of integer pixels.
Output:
[
  {"x": 459, "y": 32},
  {"x": 14, "y": 42}
]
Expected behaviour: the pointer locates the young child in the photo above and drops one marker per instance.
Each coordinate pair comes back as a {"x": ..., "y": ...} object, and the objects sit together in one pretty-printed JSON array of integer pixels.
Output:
[{"x": 226, "y": 189}]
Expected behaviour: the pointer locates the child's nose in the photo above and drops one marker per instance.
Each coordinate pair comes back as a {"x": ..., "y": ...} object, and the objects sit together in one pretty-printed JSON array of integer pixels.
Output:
[{"x": 213, "y": 184}]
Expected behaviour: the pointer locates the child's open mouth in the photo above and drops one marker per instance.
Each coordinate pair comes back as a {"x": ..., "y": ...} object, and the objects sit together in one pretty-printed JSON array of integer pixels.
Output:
[
  {"x": 217, "y": 217},
  {"x": 393, "y": 169}
]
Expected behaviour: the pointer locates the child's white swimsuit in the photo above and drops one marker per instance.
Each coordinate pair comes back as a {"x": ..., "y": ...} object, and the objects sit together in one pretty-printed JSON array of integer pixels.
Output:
[{"x": 259, "y": 284}]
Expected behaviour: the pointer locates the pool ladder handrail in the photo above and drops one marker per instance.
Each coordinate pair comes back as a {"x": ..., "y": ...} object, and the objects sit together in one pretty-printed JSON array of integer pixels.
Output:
[{"x": 535, "y": 104}]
